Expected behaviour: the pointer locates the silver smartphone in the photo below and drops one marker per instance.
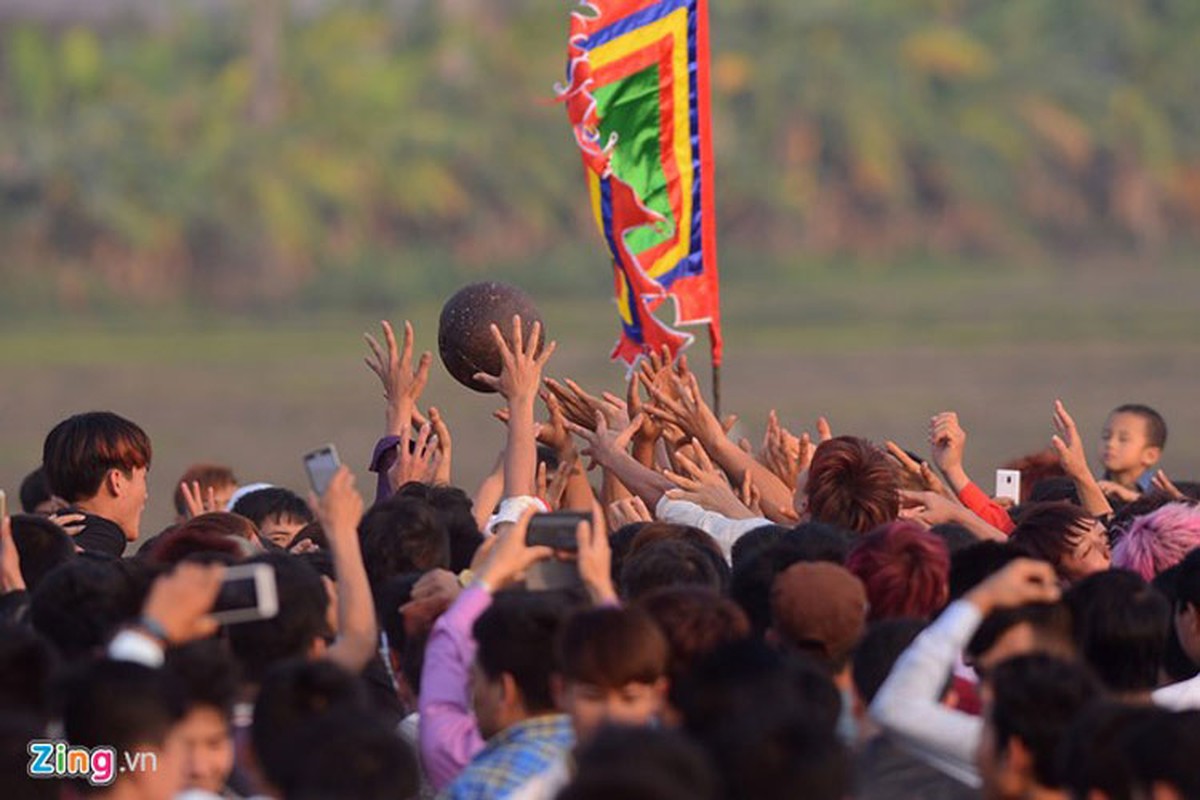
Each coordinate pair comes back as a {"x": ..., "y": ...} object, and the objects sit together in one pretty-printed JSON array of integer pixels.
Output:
[
  {"x": 1008, "y": 484},
  {"x": 247, "y": 594},
  {"x": 321, "y": 464}
]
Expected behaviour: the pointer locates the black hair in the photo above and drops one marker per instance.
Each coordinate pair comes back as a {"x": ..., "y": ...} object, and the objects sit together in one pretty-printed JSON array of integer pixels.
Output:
[
  {"x": 16, "y": 732},
  {"x": 1050, "y": 531},
  {"x": 35, "y": 490},
  {"x": 1090, "y": 756},
  {"x": 293, "y": 693},
  {"x": 1187, "y": 581},
  {"x": 781, "y": 757},
  {"x": 641, "y": 764},
  {"x": 670, "y": 562},
  {"x": 274, "y": 501},
  {"x": 516, "y": 636},
  {"x": 80, "y": 451},
  {"x": 41, "y": 544},
  {"x": 1156, "y": 426},
  {"x": 79, "y": 604},
  {"x": 1054, "y": 490},
  {"x": 878, "y": 651},
  {"x": 389, "y": 597},
  {"x": 208, "y": 674},
  {"x": 347, "y": 752},
  {"x": 621, "y": 543},
  {"x": 28, "y": 666},
  {"x": 972, "y": 565},
  {"x": 301, "y": 618},
  {"x": 1052, "y": 619},
  {"x": 755, "y": 541},
  {"x": 821, "y": 541},
  {"x": 1121, "y": 625},
  {"x": 1162, "y": 749},
  {"x": 1177, "y": 665},
  {"x": 750, "y": 584},
  {"x": 955, "y": 536},
  {"x": 1035, "y": 699},
  {"x": 402, "y": 534},
  {"x": 454, "y": 508}
]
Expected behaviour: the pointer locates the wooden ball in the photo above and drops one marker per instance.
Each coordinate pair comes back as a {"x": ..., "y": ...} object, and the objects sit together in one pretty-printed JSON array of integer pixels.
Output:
[{"x": 464, "y": 337}]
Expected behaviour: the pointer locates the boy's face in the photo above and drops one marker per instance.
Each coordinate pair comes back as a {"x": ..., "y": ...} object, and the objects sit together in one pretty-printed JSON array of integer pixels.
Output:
[
  {"x": 1125, "y": 446},
  {"x": 592, "y": 707},
  {"x": 208, "y": 748},
  {"x": 1090, "y": 555},
  {"x": 281, "y": 530}
]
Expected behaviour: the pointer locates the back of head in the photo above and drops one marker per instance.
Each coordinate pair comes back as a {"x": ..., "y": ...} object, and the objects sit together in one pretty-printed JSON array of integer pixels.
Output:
[
  {"x": 1161, "y": 751},
  {"x": 1054, "y": 490},
  {"x": 346, "y": 752},
  {"x": 35, "y": 492},
  {"x": 1049, "y": 625},
  {"x": 753, "y": 542},
  {"x": 1156, "y": 426},
  {"x": 80, "y": 450},
  {"x": 293, "y": 693},
  {"x": 653, "y": 532},
  {"x": 454, "y": 508},
  {"x": 188, "y": 541},
  {"x": 1159, "y": 540},
  {"x": 971, "y": 565},
  {"x": 207, "y": 673},
  {"x": 905, "y": 570},
  {"x": 641, "y": 764},
  {"x": 1035, "y": 698},
  {"x": 17, "y": 731},
  {"x": 41, "y": 545},
  {"x": 27, "y": 667},
  {"x": 852, "y": 484},
  {"x": 291, "y": 633},
  {"x": 781, "y": 757},
  {"x": 217, "y": 477},
  {"x": 516, "y": 636},
  {"x": 820, "y": 609},
  {"x": 670, "y": 562},
  {"x": 1091, "y": 758},
  {"x": 402, "y": 534},
  {"x": 79, "y": 604},
  {"x": 751, "y": 582},
  {"x": 696, "y": 620},
  {"x": 1121, "y": 625},
  {"x": 878, "y": 651},
  {"x": 611, "y": 648}
]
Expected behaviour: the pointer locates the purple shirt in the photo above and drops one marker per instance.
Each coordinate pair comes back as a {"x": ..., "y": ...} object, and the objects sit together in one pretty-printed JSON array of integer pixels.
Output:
[{"x": 381, "y": 461}]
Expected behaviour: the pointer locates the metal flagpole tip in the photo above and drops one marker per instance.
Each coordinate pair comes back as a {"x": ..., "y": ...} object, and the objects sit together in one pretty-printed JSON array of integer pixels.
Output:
[{"x": 465, "y": 340}]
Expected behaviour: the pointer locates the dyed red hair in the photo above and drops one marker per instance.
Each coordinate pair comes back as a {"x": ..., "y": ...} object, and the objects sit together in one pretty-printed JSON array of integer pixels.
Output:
[
  {"x": 905, "y": 568},
  {"x": 852, "y": 484}
]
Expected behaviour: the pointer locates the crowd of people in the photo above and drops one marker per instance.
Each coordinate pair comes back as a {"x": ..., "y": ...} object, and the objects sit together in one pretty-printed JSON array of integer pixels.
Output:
[{"x": 817, "y": 617}]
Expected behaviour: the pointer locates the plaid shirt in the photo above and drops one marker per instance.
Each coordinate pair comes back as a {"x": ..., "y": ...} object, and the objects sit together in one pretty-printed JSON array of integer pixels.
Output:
[{"x": 512, "y": 757}]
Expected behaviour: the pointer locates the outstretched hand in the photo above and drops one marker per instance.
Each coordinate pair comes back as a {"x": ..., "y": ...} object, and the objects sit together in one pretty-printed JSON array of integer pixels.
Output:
[
  {"x": 402, "y": 386},
  {"x": 521, "y": 363}
]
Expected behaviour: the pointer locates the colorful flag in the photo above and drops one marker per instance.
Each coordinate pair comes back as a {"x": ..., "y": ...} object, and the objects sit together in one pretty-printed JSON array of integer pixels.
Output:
[{"x": 637, "y": 95}]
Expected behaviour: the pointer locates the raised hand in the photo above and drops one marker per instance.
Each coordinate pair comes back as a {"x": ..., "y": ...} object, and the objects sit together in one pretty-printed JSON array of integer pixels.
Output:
[
  {"x": 509, "y": 556},
  {"x": 341, "y": 507},
  {"x": 402, "y": 386},
  {"x": 420, "y": 462},
  {"x": 180, "y": 601},
  {"x": 824, "y": 432},
  {"x": 445, "y": 447},
  {"x": 603, "y": 445},
  {"x": 1068, "y": 445},
  {"x": 920, "y": 472},
  {"x": 687, "y": 410},
  {"x": 1020, "y": 582},
  {"x": 1164, "y": 484},
  {"x": 706, "y": 486},
  {"x": 199, "y": 501},
  {"x": 11, "y": 579},
  {"x": 785, "y": 454},
  {"x": 627, "y": 511},
  {"x": 521, "y": 364},
  {"x": 948, "y": 441},
  {"x": 595, "y": 560}
]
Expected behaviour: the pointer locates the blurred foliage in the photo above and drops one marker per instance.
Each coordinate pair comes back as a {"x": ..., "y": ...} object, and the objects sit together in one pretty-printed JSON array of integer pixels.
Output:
[{"x": 371, "y": 151}]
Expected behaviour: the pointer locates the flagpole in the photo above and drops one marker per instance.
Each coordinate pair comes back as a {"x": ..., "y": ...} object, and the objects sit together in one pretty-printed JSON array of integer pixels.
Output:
[{"x": 716, "y": 376}]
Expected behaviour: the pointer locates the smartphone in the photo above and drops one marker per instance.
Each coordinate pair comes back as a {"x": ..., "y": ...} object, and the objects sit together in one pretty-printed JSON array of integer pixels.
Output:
[
  {"x": 247, "y": 594},
  {"x": 556, "y": 530},
  {"x": 1008, "y": 484},
  {"x": 3, "y": 504},
  {"x": 321, "y": 464}
]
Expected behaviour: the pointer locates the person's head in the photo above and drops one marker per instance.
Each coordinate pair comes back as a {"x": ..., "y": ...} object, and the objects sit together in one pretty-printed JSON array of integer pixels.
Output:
[
  {"x": 196, "y": 540},
  {"x": 217, "y": 477},
  {"x": 905, "y": 570},
  {"x": 98, "y": 461},
  {"x": 208, "y": 675},
  {"x": 1121, "y": 625},
  {"x": 876, "y": 654},
  {"x": 852, "y": 484},
  {"x": 41, "y": 545},
  {"x": 696, "y": 620},
  {"x": 1161, "y": 752},
  {"x": 278, "y": 513},
  {"x": 1132, "y": 441},
  {"x": 120, "y": 707},
  {"x": 612, "y": 665},
  {"x": 293, "y": 693},
  {"x": 668, "y": 562},
  {"x": 956, "y": 537},
  {"x": 1091, "y": 759},
  {"x": 454, "y": 508},
  {"x": 1010, "y": 632},
  {"x": 653, "y": 532},
  {"x": 28, "y": 665},
  {"x": 1187, "y": 606},
  {"x": 1030, "y": 703},
  {"x": 753, "y": 542},
  {"x": 514, "y": 659},
  {"x": 752, "y": 579},
  {"x": 79, "y": 604},
  {"x": 17, "y": 731},
  {"x": 346, "y": 752},
  {"x": 820, "y": 609},
  {"x": 1146, "y": 503},
  {"x": 1159, "y": 540},
  {"x": 638, "y": 763},
  {"x": 36, "y": 497},
  {"x": 1064, "y": 535},
  {"x": 971, "y": 565},
  {"x": 297, "y": 631},
  {"x": 402, "y": 534}
]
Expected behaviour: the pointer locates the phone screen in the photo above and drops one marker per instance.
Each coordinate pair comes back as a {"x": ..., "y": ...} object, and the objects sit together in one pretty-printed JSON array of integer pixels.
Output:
[
  {"x": 247, "y": 593},
  {"x": 321, "y": 464}
]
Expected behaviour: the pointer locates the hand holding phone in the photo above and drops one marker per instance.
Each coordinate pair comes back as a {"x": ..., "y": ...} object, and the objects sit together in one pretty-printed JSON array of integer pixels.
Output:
[
  {"x": 248, "y": 593},
  {"x": 556, "y": 530},
  {"x": 321, "y": 464},
  {"x": 1008, "y": 484}
]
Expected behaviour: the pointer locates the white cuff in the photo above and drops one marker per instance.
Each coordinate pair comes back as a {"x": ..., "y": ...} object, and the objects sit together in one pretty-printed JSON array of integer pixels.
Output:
[
  {"x": 511, "y": 509},
  {"x": 130, "y": 645}
]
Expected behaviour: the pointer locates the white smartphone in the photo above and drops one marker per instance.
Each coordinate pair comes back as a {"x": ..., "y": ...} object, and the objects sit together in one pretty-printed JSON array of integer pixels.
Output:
[
  {"x": 247, "y": 594},
  {"x": 320, "y": 465},
  {"x": 3, "y": 504},
  {"x": 1008, "y": 484}
]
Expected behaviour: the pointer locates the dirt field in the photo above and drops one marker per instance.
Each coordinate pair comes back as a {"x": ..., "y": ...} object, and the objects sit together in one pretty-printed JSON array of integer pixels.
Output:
[{"x": 878, "y": 353}]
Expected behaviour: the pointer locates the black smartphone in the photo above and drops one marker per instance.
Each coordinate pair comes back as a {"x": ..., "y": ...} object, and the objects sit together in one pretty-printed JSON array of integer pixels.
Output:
[{"x": 556, "y": 530}]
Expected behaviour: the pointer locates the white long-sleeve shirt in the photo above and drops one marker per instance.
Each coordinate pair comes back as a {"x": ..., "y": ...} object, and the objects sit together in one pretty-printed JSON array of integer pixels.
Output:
[
  {"x": 1182, "y": 696},
  {"x": 722, "y": 529}
]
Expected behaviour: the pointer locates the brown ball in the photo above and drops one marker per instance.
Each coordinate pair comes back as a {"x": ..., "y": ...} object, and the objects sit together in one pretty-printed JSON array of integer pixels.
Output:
[{"x": 464, "y": 339}]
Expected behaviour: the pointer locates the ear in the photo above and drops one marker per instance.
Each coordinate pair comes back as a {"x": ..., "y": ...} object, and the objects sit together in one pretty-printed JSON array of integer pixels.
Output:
[
  {"x": 1020, "y": 760},
  {"x": 1150, "y": 456},
  {"x": 113, "y": 483},
  {"x": 510, "y": 695}
]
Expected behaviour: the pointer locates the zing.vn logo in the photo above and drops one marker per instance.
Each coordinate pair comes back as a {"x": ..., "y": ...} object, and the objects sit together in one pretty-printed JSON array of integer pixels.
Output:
[{"x": 56, "y": 759}]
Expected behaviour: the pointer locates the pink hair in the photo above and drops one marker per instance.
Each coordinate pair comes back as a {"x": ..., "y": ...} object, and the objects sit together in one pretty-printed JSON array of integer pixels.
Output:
[{"x": 1159, "y": 540}]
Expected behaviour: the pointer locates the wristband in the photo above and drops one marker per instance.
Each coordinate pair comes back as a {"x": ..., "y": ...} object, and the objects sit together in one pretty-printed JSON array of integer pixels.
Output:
[
  {"x": 511, "y": 509},
  {"x": 154, "y": 628}
]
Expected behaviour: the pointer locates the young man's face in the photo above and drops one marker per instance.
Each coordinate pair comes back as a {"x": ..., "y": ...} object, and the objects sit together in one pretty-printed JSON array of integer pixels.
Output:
[
  {"x": 1125, "y": 446},
  {"x": 165, "y": 779},
  {"x": 281, "y": 530},
  {"x": 592, "y": 707},
  {"x": 1092, "y": 554},
  {"x": 208, "y": 748}
]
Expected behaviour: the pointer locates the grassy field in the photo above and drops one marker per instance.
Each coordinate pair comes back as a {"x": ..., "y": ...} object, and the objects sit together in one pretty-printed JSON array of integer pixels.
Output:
[{"x": 877, "y": 351}]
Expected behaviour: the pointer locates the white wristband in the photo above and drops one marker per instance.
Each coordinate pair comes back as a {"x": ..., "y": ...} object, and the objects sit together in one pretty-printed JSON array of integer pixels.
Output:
[{"x": 511, "y": 509}]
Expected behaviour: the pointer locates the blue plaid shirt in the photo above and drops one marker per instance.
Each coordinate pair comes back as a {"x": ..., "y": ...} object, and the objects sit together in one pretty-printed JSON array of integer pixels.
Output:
[{"x": 512, "y": 757}]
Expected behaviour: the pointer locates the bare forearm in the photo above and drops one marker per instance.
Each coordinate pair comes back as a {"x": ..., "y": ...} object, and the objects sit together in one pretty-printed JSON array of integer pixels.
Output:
[
  {"x": 737, "y": 462},
  {"x": 357, "y": 632},
  {"x": 643, "y": 482},
  {"x": 1091, "y": 496},
  {"x": 956, "y": 476},
  {"x": 976, "y": 525},
  {"x": 520, "y": 454}
]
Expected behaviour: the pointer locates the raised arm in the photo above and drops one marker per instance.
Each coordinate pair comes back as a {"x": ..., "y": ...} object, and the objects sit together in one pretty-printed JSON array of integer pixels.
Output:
[
  {"x": 1069, "y": 446},
  {"x": 340, "y": 510}
]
